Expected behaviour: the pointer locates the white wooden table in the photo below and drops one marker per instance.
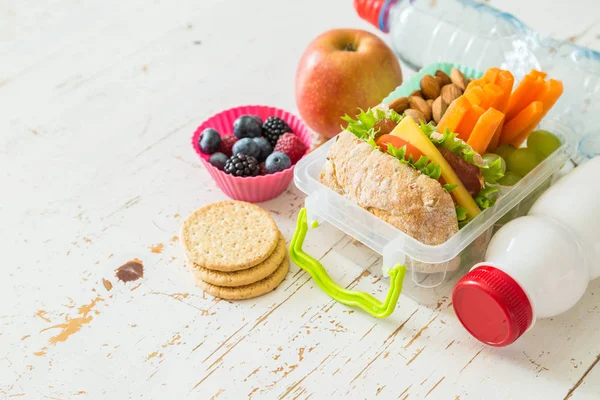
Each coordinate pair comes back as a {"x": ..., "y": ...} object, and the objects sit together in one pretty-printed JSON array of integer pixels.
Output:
[{"x": 98, "y": 101}]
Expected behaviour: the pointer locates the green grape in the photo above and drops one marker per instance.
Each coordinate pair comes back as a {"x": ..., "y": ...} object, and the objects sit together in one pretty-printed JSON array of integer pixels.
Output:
[
  {"x": 505, "y": 151},
  {"x": 489, "y": 158},
  {"x": 522, "y": 160},
  {"x": 510, "y": 179},
  {"x": 543, "y": 142}
]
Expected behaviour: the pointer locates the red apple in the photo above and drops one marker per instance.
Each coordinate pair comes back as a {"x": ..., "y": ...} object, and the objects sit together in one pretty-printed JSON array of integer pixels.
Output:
[{"x": 340, "y": 71}]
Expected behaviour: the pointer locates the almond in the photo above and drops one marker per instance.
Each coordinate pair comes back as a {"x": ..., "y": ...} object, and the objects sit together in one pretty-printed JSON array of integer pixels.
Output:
[
  {"x": 399, "y": 105},
  {"x": 429, "y": 102},
  {"x": 430, "y": 87},
  {"x": 416, "y": 93},
  {"x": 442, "y": 78},
  {"x": 450, "y": 93},
  {"x": 415, "y": 115},
  {"x": 417, "y": 103},
  {"x": 438, "y": 108},
  {"x": 458, "y": 79}
]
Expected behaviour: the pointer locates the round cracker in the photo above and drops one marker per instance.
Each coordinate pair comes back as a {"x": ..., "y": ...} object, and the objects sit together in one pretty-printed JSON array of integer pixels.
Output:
[
  {"x": 229, "y": 236},
  {"x": 244, "y": 276},
  {"x": 248, "y": 291}
]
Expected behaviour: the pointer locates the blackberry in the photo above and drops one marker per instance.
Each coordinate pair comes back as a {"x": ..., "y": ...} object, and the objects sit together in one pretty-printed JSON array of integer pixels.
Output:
[
  {"x": 242, "y": 165},
  {"x": 273, "y": 128}
]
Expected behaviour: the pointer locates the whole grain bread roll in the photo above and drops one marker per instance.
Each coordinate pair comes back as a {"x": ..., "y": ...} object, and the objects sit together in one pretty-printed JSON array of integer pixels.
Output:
[{"x": 394, "y": 192}]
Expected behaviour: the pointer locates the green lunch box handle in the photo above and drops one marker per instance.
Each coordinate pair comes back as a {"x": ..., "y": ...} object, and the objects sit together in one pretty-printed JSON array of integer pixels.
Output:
[{"x": 342, "y": 295}]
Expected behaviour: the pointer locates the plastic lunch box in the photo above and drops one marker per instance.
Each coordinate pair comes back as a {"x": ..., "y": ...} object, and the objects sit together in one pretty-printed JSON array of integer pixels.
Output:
[
  {"x": 429, "y": 269},
  {"x": 462, "y": 251}
]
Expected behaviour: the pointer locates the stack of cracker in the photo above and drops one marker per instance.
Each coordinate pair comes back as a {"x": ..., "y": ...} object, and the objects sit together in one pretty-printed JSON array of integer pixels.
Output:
[{"x": 234, "y": 250}]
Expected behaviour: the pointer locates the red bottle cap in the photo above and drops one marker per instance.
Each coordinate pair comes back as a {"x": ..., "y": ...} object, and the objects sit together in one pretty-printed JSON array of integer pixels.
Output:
[
  {"x": 375, "y": 12},
  {"x": 492, "y": 306}
]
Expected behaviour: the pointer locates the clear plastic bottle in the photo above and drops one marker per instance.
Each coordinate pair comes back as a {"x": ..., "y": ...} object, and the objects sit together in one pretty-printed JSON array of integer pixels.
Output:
[
  {"x": 537, "y": 266},
  {"x": 423, "y": 32}
]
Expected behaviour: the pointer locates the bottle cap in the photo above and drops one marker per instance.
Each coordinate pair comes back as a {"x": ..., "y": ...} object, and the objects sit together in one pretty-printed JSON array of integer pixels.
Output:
[
  {"x": 375, "y": 12},
  {"x": 492, "y": 306}
]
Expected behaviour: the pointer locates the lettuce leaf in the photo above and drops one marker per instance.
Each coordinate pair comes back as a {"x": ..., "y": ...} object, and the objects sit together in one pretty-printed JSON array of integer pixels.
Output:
[
  {"x": 363, "y": 126},
  {"x": 461, "y": 213},
  {"x": 426, "y": 167},
  {"x": 448, "y": 187},
  {"x": 452, "y": 142},
  {"x": 486, "y": 198},
  {"x": 492, "y": 172},
  {"x": 461, "y": 216},
  {"x": 371, "y": 139}
]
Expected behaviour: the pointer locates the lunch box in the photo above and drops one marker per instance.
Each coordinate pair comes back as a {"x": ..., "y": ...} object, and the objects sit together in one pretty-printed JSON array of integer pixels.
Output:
[
  {"x": 427, "y": 273},
  {"x": 429, "y": 269}
]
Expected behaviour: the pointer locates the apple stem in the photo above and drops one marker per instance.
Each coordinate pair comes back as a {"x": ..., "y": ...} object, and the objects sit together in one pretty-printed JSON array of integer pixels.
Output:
[{"x": 349, "y": 47}]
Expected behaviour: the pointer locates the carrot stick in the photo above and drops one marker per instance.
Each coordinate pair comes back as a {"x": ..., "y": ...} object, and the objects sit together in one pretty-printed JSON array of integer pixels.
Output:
[
  {"x": 538, "y": 74},
  {"x": 549, "y": 97},
  {"x": 454, "y": 114},
  {"x": 469, "y": 121},
  {"x": 494, "y": 95},
  {"x": 475, "y": 95},
  {"x": 477, "y": 82},
  {"x": 496, "y": 138},
  {"x": 484, "y": 130},
  {"x": 505, "y": 80},
  {"x": 526, "y": 92},
  {"x": 522, "y": 121},
  {"x": 490, "y": 75}
]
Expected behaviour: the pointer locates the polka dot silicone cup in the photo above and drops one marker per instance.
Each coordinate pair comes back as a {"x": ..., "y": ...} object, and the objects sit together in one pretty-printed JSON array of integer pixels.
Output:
[{"x": 257, "y": 188}]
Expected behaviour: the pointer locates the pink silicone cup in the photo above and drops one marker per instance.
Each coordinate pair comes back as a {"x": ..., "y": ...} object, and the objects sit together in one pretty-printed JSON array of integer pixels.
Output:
[{"x": 258, "y": 188}]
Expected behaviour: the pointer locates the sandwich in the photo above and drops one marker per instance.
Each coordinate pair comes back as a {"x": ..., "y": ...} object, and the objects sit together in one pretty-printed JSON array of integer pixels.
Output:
[{"x": 426, "y": 183}]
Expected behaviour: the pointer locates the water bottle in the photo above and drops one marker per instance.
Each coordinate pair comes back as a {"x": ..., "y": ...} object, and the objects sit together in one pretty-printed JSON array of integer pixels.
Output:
[
  {"x": 423, "y": 32},
  {"x": 536, "y": 266}
]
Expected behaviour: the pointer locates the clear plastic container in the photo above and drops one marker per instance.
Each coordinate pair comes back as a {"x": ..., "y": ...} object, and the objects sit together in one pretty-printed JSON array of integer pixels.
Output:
[{"x": 429, "y": 267}]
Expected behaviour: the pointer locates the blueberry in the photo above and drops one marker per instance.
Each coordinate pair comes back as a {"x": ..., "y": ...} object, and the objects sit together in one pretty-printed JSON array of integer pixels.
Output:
[
  {"x": 210, "y": 140},
  {"x": 218, "y": 160},
  {"x": 247, "y": 126},
  {"x": 246, "y": 146},
  {"x": 258, "y": 119},
  {"x": 265, "y": 148},
  {"x": 277, "y": 162}
]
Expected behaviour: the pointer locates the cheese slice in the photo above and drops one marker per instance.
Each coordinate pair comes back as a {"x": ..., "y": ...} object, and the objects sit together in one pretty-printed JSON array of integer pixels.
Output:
[{"x": 408, "y": 130}]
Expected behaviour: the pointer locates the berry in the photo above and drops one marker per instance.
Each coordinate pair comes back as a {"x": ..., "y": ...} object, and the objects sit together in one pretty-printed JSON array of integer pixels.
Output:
[
  {"x": 292, "y": 146},
  {"x": 227, "y": 143},
  {"x": 246, "y": 146},
  {"x": 210, "y": 140},
  {"x": 247, "y": 126},
  {"x": 258, "y": 119},
  {"x": 263, "y": 170},
  {"x": 264, "y": 147},
  {"x": 273, "y": 128},
  {"x": 242, "y": 165},
  {"x": 218, "y": 160},
  {"x": 277, "y": 162}
]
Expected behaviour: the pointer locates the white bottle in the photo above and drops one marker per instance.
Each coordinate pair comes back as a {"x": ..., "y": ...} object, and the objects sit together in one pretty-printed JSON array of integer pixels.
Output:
[{"x": 537, "y": 266}]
